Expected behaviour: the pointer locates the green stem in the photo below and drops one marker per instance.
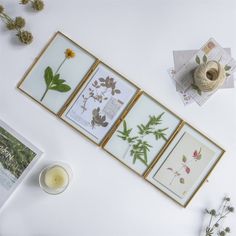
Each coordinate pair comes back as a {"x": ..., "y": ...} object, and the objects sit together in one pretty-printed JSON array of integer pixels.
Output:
[
  {"x": 44, "y": 94},
  {"x": 59, "y": 67}
]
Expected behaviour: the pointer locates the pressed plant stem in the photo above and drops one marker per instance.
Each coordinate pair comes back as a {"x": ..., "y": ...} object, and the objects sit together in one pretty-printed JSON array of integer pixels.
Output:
[
  {"x": 92, "y": 96},
  {"x": 180, "y": 169},
  {"x": 48, "y": 87},
  {"x": 5, "y": 18},
  {"x": 220, "y": 218},
  {"x": 41, "y": 99},
  {"x": 210, "y": 221},
  {"x": 59, "y": 67}
]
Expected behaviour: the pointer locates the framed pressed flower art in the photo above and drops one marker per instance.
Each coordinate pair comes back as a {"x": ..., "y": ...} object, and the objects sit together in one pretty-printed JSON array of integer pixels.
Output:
[
  {"x": 142, "y": 134},
  {"x": 185, "y": 164},
  {"x": 126, "y": 122},
  {"x": 57, "y": 72},
  {"x": 99, "y": 103}
]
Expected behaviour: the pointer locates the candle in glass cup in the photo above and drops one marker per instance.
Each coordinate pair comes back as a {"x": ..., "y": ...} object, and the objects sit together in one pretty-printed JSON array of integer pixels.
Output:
[{"x": 55, "y": 178}]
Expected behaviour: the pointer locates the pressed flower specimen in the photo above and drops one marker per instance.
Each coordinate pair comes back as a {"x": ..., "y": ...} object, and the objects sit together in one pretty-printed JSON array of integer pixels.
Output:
[
  {"x": 138, "y": 146},
  {"x": 99, "y": 91},
  {"x": 97, "y": 119},
  {"x": 53, "y": 81},
  {"x": 215, "y": 225},
  {"x": 185, "y": 167}
]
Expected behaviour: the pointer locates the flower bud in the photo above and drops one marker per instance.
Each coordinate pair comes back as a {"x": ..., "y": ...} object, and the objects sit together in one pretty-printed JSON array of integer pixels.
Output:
[
  {"x": 38, "y": 5},
  {"x": 19, "y": 22},
  {"x": 213, "y": 212},
  {"x": 231, "y": 209},
  {"x": 24, "y": 2},
  {"x": 222, "y": 233},
  {"x": 11, "y": 25},
  {"x": 25, "y": 37}
]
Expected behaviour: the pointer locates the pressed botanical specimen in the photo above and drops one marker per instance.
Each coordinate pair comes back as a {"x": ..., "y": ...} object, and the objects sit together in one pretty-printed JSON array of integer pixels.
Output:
[
  {"x": 138, "y": 147},
  {"x": 53, "y": 81},
  {"x": 98, "y": 120},
  {"x": 99, "y": 90},
  {"x": 185, "y": 167}
]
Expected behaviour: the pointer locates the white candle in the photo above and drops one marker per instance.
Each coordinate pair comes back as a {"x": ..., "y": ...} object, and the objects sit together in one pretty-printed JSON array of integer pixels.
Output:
[{"x": 56, "y": 177}]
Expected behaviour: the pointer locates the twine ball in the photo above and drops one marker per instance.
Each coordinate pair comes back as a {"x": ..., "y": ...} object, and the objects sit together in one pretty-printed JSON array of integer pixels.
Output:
[{"x": 209, "y": 76}]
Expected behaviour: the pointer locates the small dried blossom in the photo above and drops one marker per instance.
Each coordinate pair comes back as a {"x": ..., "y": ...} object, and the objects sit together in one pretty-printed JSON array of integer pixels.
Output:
[
  {"x": 213, "y": 212},
  {"x": 69, "y": 53},
  {"x": 19, "y": 22},
  {"x": 11, "y": 25},
  {"x": 38, "y": 5},
  {"x": 24, "y": 2},
  {"x": 231, "y": 209},
  {"x": 197, "y": 155},
  {"x": 25, "y": 37},
  {"x": 222, "y": 233}
]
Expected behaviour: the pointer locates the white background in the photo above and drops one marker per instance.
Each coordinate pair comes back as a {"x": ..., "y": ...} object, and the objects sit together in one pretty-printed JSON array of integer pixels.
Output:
[{"x": 136, "y": 38}]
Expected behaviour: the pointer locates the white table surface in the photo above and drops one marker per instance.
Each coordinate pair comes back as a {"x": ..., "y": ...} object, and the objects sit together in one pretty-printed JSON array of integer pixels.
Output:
[{"x": 137, "y": 39}]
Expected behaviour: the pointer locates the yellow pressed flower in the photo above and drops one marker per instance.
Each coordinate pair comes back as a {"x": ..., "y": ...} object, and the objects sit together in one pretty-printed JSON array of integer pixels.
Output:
[{"x": 69, "y": 53}]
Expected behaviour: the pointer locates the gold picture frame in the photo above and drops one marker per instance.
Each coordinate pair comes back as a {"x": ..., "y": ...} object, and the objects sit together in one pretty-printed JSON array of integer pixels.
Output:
[
  {"x": 144, "y": 107},
  {"x": 135, "y": 98},
  {"x": 211, "y": 162}
]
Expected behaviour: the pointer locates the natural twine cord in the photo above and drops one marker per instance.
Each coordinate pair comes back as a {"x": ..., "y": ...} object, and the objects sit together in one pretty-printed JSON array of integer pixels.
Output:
[{"x": 209, "y": 76}]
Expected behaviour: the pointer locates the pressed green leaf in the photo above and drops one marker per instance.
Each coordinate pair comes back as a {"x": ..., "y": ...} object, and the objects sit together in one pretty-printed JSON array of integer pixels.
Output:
[
  {"x": 55, "y": 78},
  {"x": 197, "y": 59},
  {"x": 48, "y": 75},
  {"x": 124, "y": 125},
  {"x": 181, "y": 180},
  {"x": 61, "y": 88},
  {"x": 122, "y": 137},
  {"x": 121, "y": 132},
  {"x": 227, "y": 67},
  {"x": 197, "y": 89},
  {"x": 199, "y": 92},
  {"x": 227, "y": 74},
  {"x": 140, "y": 148},
  {"x": 204, "y": 59},
  {"x": 129, "y": 131},
  {"x": 60, "y": 81},
  {"x": 184, "y": 158},
  {"x": 143, "y": 161}
]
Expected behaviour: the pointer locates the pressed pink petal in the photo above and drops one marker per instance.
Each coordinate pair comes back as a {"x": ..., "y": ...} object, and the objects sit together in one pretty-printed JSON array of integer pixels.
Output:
[
  {"x": 195, "y": 153},
  {"x": 187, "y": 169}
]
